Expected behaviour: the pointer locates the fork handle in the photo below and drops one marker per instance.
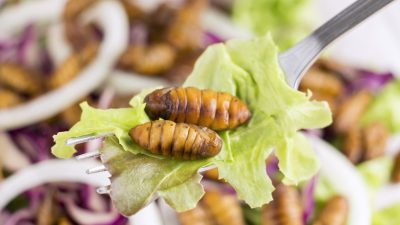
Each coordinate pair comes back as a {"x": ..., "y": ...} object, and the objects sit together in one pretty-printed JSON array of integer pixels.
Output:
[{"x": 307, "y": 50}]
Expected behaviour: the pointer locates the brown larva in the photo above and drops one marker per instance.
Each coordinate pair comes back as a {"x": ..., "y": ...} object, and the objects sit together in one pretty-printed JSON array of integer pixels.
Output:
[
  {"x": 285, "y": 209},
  {"x": 178, "y": 140},
  {"x": 215, "y": 110},
  {"x": 334, "y": 213}
]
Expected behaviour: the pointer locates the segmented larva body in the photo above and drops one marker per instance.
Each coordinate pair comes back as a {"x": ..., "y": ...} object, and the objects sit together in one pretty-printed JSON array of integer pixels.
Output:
[
  {"x": 196, "y": 216},
  {"x": 285, "y": 209},
  {"x": 214, "y": 209},
  {"x": 225, "y": 209},
  {"x": 334, "y": 213},
  {"x": 178, "y": 140},
  {"x": 207, "y": 108},
  {"x": 396, "y": 169}
]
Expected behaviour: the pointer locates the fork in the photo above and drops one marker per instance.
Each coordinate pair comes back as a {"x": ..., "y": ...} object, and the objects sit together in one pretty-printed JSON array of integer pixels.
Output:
[{"x": 294, "y": 62}]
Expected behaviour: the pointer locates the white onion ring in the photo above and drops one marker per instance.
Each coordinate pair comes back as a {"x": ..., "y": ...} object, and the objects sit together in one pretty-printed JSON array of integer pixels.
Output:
[
  {"x": 111, "y": 17},
  {"x": 125, "y": 83},
  {"x": 345, "y": 179},
  {"x": 222, "y": 26},
  {"x": 16, "y": 17},
  {"x": 57, "y": 44},
  {"x": 65, "y": 171},
  {"x": 49, "y": 171},
  {"x": 10, "y": 156}
]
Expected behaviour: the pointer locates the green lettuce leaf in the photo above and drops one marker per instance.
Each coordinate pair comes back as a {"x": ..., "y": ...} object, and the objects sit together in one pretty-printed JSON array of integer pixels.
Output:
[
  {"x": 247, "y": 69},
  {"x": 288, "y": 20},
  {"x": 385, "y": 108},
  {"x": 136, "y": 179},
  {"x": 387, "y": 216},
  {"x": 376, "y": 172}
]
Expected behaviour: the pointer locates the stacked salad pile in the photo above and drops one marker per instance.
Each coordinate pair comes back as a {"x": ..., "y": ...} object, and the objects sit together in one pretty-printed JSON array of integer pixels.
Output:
[{"x": 274, "y": 170}]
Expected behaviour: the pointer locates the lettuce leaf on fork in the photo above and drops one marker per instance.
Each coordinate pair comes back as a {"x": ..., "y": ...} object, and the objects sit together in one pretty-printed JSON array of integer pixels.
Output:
[{"x": 248, "y": 69}]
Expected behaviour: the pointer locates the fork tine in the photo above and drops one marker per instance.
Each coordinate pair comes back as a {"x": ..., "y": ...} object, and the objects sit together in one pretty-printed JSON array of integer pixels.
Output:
[
  {"x": 96, "y": 170},
  {"x": 86, "y": 138},
  {"x": 88, "y": 155},
  {"x": 103, "y": 190}
]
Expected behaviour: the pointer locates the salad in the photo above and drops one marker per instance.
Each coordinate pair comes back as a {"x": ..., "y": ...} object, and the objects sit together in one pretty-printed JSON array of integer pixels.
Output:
[
  {"x": 284, "y": 163},
  {"x": 241, "y": 160}
]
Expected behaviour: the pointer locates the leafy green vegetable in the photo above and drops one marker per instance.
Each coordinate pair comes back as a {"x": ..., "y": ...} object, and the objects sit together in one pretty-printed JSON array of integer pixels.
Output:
[
  {"x": 289, "y": 20},
  {"x": 388, "y": 216},
  {"x": 385, "y": 108},
  {"x": 252, "y": 216},
  {"x": 324, "y": 190},
  {"x": 376, "y": 172},
  {"x": 247, "y": 69},
  {"x": 137, "y": 178}
]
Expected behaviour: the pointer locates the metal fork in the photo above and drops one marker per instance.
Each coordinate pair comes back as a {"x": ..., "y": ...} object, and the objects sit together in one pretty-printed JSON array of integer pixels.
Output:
[{"x": 294, "y": 61}]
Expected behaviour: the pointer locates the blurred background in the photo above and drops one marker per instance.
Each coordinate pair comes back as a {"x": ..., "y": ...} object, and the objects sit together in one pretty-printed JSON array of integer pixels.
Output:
[{"x": 55, "y": 54}]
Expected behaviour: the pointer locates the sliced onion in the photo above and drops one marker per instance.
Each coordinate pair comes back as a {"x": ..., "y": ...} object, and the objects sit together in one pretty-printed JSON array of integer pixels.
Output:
[
  {"x": 17, "y": 217},
  {"x": 11, "y": 157},
  {"x": 92, "y": 200},
  {"x": 106, "y": 98},
  {"x": 57, "y": 44},
  {"x": 125, "y": 83},
  {"x": 64, "y": 171},
  {"x": 222, "y": 26},
  {"x": 16, "y": 17},
  {"x": 112, "y": 19},
  {"x": 46, "y": 172},
  {"x": 345, "y": 179}
]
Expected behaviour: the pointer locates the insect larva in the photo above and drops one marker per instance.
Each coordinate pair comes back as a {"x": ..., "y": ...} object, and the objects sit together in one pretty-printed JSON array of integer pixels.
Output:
[
  {"x": 396, "y": 169},
  {"x": 215, "y": 208},
  {"x": 71, "y": 67},
  {"x": 9, "y": 99},
  {"x": 148, "y": 60},
  {"x": 363, "y": 144},
  {"x": 375, "y": 137},
  {"x": 350, "y": 111},
  {"x": 196, "y": 216},
  {"x": 334, "y": 213},
  {"x": 215, "y": 110},
  {"x": 353, "y": 146},
  {"x": 285, "y": 209},
  {"x": 185, "y": 30},
  {"x": 19, "y": 79},
  {"x": 224, "y": 208},
  {"x": 178, "y": 140},
  {"x": 316, "y": 80}
]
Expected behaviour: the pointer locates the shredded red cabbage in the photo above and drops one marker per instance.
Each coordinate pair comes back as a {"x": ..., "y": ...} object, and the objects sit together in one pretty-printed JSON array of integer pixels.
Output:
[
  {"x": 371, "y": 81},
  {"x": 211, "y": 38},
  {"x": 21, "y": 215},
  {"x": 308, "y": 199},
  {"x": 273, "y": 167},
  {"x": 36, "y": 140},
  {"x": 138, "y": 34},
  {"x": 27, "y": 39},
  {"x": 19, "y": 50}
]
